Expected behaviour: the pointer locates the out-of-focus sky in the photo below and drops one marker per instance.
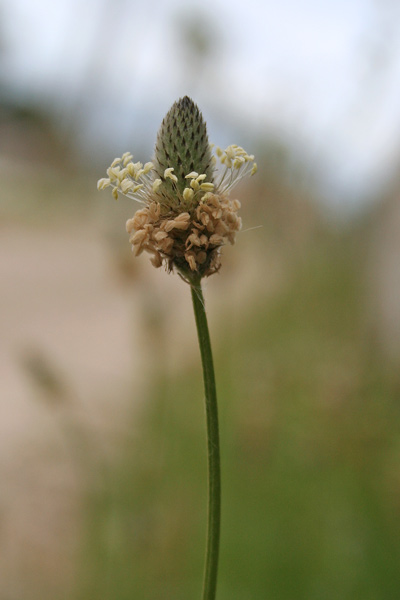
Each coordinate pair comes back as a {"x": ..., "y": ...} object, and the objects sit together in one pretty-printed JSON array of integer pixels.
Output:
[{"x": 324, "y": 75}]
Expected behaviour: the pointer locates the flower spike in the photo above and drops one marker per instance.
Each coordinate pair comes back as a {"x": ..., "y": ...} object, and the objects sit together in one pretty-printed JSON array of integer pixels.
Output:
[{"x": 187, "y": 215}]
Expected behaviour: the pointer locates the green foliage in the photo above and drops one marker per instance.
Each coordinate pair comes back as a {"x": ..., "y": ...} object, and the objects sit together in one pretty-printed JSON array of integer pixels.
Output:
[{"x": 310, "y": 448}]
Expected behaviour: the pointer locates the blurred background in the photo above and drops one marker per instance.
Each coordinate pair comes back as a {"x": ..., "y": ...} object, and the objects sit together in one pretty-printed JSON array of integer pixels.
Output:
[{"x": 102, "y": 434}]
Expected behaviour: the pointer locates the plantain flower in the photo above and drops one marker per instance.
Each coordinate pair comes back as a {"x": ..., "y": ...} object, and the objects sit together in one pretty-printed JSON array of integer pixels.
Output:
[{"x": 186, "y": 215}]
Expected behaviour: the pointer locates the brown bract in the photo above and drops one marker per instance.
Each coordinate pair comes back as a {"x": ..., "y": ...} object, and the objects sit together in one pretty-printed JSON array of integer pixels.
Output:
[{"x": 190, "y": 242}]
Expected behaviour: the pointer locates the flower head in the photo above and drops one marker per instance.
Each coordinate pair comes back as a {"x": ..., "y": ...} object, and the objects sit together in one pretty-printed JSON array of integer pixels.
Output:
[{"x": 187, "y": 215}]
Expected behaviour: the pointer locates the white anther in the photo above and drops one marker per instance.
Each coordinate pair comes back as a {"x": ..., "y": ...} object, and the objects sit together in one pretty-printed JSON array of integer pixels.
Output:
[
  {"x": 103, "y": 183},
  {"x": 188, "y": 194},
  {"x": 168, "y": 173},
  {"x": 156, "y": 184},
  {"x": 207, "y": 187}
]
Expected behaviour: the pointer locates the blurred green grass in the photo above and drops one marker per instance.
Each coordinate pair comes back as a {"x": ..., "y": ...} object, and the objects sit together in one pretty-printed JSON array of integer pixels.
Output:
[{"x": 309, "y": 419}]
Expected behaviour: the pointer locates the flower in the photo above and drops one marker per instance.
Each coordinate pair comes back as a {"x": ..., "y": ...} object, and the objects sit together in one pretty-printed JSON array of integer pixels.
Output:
[{"x": 187, "y": 215}]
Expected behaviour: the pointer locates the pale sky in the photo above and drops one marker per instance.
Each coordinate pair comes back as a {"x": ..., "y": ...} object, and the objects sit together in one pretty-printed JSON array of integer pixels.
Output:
[{"x": 325, "y": 73}]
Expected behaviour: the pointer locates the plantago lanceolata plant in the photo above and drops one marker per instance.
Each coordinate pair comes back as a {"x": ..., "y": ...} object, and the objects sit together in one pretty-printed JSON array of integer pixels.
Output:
[{"x": 185, "y": 219}]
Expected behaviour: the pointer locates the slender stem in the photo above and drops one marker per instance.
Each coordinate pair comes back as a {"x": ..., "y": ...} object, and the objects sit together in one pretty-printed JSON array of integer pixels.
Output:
[{"x": 214, "y": 471}]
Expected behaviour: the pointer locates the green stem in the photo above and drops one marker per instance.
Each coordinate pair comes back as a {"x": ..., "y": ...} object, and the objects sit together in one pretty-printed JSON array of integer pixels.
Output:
[{"x": 214, "y": 471}]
